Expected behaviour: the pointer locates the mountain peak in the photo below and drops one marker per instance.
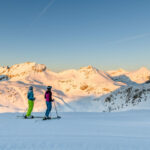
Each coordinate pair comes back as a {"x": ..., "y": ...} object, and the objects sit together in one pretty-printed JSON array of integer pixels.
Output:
[
  {"x": 20, "y": 70},
  {"x": 143, "y": 69},
  {"x": 88, "y": 68},
  {"x": 121, "y": 70}
]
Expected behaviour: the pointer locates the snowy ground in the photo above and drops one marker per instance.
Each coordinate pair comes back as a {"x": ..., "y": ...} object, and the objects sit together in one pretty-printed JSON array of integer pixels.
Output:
[{"x": 77, "y": 131}]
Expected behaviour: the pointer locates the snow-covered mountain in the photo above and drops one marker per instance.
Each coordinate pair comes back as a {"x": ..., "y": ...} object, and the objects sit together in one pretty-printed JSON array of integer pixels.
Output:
[
  {"x": 68, "y": 85},
  {"x": 87, "y": 80},
  {"x": 139, "y": 76},
  {"x": 86, "y": 89},
  {"x": 20, "y": 71}
]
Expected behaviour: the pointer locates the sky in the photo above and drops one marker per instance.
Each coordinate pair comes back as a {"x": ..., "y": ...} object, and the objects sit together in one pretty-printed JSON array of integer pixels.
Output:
[{"x": 69, "y": 34}]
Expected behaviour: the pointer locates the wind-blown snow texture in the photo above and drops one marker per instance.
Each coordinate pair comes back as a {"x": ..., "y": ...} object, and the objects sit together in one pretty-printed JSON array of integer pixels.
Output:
[{"x": 77, "y": 131}]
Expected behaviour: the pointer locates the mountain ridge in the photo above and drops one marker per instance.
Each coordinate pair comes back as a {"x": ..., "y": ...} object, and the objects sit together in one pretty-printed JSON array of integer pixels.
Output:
[{"x": 87, "y": 86}]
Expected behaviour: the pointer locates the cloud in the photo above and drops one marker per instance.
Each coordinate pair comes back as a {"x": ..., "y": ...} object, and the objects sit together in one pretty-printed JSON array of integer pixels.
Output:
[
  {"x": 140, "y": 36},
  {"x": 43, "y": 11},
  {"x": 46, "y": 8}
]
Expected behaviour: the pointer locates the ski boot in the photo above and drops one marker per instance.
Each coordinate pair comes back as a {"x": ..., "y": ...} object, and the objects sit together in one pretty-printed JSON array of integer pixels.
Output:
[{"x": 46, "y": 118}]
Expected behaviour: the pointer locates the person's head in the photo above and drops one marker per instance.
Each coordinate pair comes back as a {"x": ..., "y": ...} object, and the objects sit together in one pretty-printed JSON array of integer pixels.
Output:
[
  {"x": 49, "y": 88},
  {"x": 31, "y": 88}
]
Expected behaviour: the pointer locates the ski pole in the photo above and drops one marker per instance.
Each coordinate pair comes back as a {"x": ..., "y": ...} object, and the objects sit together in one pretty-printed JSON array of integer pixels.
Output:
[
  {"x": 25, "y": 111},
  {"x": 56, "y": 110}
]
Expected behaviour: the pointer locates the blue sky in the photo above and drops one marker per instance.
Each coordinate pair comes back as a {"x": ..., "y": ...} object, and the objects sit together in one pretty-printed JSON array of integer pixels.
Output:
[{"x": 65, "y": 34}]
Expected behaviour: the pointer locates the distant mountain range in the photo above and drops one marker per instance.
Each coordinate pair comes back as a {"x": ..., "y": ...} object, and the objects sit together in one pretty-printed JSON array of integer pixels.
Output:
[{"x": 86, "y": 89}]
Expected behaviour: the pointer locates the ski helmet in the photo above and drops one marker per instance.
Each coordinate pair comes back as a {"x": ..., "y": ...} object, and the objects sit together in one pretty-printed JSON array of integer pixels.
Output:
[
  {"x": 31, "y": 88},
  {"x": 49, "y": 87}
]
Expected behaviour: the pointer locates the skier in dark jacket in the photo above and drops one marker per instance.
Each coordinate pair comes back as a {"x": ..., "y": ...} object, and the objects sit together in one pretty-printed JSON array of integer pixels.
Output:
[{"x": 49, "y": 100}]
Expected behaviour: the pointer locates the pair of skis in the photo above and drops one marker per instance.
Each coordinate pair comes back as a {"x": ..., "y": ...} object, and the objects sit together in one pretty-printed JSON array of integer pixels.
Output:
[
  {"x": 49, "y": 118},
  {"x": 40, "y": 117}
]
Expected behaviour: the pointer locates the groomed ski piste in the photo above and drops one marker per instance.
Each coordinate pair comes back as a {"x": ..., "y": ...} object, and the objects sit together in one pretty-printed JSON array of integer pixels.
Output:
[
  {"x": 128, "y": 130},
  {"x": 99, "y": 110}
]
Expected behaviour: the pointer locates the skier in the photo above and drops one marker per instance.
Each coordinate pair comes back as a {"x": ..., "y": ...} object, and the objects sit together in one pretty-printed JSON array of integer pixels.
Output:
[
  {"x": 49, "y": 100},
  {"x": 31, "y": 99}
]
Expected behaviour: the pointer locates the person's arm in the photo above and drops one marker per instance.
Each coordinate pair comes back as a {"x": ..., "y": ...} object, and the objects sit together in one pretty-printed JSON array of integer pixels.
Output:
[
  {"x": 52, "y": 97},
  {"x": 33, "y": 98},
  {"x": 45, "y": 95}
]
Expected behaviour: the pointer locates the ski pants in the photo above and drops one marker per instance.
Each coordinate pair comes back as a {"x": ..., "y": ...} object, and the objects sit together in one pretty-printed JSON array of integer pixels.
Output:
[
  {"x": 30, "y": 107},
  {"x": 49, "y": 107}
]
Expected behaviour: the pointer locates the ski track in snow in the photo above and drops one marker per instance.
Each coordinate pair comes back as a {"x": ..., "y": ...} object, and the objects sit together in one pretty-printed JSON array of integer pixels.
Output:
[
  {"x": 65, "y": 103},
  {"x": 77, "y": 131}
]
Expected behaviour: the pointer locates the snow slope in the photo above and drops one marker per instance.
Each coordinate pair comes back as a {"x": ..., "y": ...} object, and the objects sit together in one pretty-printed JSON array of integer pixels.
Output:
[
  {"x": 77, "y": 131},
  {"x": 128, "y": 98}
]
